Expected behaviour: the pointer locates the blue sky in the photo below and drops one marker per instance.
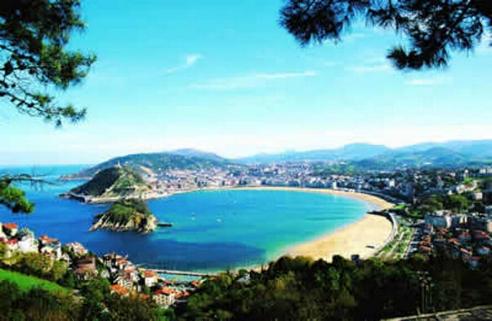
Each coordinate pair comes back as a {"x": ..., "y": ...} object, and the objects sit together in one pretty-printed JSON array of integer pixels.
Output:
[{"x": 223, "y": 76}]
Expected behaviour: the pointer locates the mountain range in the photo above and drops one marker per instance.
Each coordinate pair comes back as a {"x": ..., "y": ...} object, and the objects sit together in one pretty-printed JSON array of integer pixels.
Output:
[
  {"x": 365, "y": 156},
  {"x": 435, "y": 153},
  {"x": 357, "y": 151},
  {"x": 444, "y": 154}
]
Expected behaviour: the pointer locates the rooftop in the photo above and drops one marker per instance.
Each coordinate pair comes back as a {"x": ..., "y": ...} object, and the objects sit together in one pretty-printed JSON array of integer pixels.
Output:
[
  {"x": 118, "y": 289},
  {"x": 10, "y": 226}
]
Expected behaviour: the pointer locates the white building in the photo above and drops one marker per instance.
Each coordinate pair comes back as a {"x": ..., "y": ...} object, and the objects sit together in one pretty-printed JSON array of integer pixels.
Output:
[
  {"x": 439, "y": 219},
  {"x": 458, "y": 220},
  {"x": 28, "y": 244},
  {"x": 488, "y": 209},
  {"x": 76, "y": 248},
  {"x": 485, "y": 171},
  {"x": 150, "y": 278},
  {"x": 163, "y": 298}
]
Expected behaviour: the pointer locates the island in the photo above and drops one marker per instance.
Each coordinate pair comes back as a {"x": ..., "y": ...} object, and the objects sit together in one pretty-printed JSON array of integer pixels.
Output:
[
  {"x": 126, "y": 215},
  {"x": 126, "y": 190}
]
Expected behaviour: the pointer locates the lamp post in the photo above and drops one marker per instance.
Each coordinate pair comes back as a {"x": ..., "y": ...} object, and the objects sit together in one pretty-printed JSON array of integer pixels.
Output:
[{"x": 426, "y": 284}]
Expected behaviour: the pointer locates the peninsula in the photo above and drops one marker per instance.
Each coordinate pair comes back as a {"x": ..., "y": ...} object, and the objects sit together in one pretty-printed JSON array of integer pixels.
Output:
[
  {"x": 109, "y": 185},
  {"x": 126, "y": 190}
]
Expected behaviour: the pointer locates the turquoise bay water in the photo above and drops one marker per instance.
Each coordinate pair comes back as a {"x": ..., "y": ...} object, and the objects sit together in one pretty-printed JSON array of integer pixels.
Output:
[{"x": 212, "y": 230}]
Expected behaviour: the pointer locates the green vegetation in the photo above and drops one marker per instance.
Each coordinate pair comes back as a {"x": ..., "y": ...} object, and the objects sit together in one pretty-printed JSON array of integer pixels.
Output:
[
  {"x": 95, "y": 302},
  {"x": 399, "y": 207},
  {"x": 302, "y": 289},
  {"x": 432, "y": 30},
  {"x": 14, "y": 198},
  {"x": 397, "y": 248},
  {"x": 27, "y": 282},
  {"x": 439, "y": 157},
  {"x": 38, "y": 304},
  {"x": 100, "y": 304},
  {"x": 125, "y": 210},
  {"x": 158, "y": 162},
  {"x": 127, "y": 214},
  {"x": 35, "y": 63},
  {"x": 468, "y": 181},
  {"x": 34, "y": 287},
  {"x": 36, "y": 264},
  {"x": 35, "y": 59},
  {"x": 113, "y": 182},
  {"x": 436, "y": 202},
  {"x": 348, "y": 168}
]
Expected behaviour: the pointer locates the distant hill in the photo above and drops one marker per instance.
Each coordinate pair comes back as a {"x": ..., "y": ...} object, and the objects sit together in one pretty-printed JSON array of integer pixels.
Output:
[
  {"x": 364, "y": 156},
  {"x": 159, "y": 162},
  {"x": 111, "y": 184},
  {"x": 348, "y": 152},
  {"x": 432, "y": 157},
  {"x": 367, "y": 156},
  {"x": 447, "y": 154},
  {"x": 473, "y": 148},
  {"x": 195, "y": 153}
]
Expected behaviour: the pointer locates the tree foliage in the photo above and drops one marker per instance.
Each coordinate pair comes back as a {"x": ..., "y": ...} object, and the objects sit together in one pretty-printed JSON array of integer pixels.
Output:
[
  {"x": 93, "y": 302},
  {"x": 433, "y": 28},
  {"x": 436, "y": 202},
  {"x": 14, "y": 198},
  {"x": 303, "y": 289},
  {"x": 34, "y": 64},
  {"x": 34, "y": 61},
  {"x": 36, "y": 304}
]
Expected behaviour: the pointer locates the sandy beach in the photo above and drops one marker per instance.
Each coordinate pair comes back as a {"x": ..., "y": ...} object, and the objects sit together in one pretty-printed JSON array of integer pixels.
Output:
[{"x": 362, "y": 237}]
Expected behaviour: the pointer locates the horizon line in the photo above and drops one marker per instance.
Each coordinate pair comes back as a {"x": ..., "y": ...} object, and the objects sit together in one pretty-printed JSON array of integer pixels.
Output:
[{"x": 284, "y": 151}]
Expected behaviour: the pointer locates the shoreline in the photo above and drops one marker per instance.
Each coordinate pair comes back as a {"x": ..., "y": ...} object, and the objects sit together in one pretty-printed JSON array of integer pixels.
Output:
[{"x": 363, "y": 237}]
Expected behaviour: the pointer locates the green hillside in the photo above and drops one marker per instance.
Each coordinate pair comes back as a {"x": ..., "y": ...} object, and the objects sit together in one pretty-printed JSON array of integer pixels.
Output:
[
  {"x": 128, "y": 214},
  {"x": 432, "y": 157},
  {"x": 159, "y": 162},
  {"x": 26, "y": 282},
  {"x": 113, "y": 182}
]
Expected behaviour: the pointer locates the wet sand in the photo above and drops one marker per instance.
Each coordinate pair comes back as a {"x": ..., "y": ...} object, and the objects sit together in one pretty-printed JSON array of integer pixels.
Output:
[{"x": 362, "y": 237}]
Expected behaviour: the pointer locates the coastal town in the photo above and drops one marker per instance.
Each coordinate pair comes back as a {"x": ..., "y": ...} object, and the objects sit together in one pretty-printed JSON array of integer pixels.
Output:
[
  {"x": 403, "y": 184},
  {"x": 245, "y": 160},
  {"x": 435, "y": 212},
  {"x": 125, "y": 277}
]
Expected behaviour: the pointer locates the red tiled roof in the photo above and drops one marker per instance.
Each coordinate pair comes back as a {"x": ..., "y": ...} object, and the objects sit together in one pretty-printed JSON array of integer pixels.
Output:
[
  {"x": 183, "y": 294},
  {"x": 164, "y": 291},
  {"x": 149, "y": 274},
  {"x": 47, "y": 239},
  {"x": 144, "y": 296},
  {"x": 10, "y": 226},
  {"x": 195, "y": 283},
  {"x": 121, "y": 260},
  {"x": 118, "y": 289}
]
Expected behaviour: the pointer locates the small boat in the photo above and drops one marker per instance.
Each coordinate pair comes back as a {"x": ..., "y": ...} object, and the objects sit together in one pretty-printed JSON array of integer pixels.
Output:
[{"x": 164, "y": 224}]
